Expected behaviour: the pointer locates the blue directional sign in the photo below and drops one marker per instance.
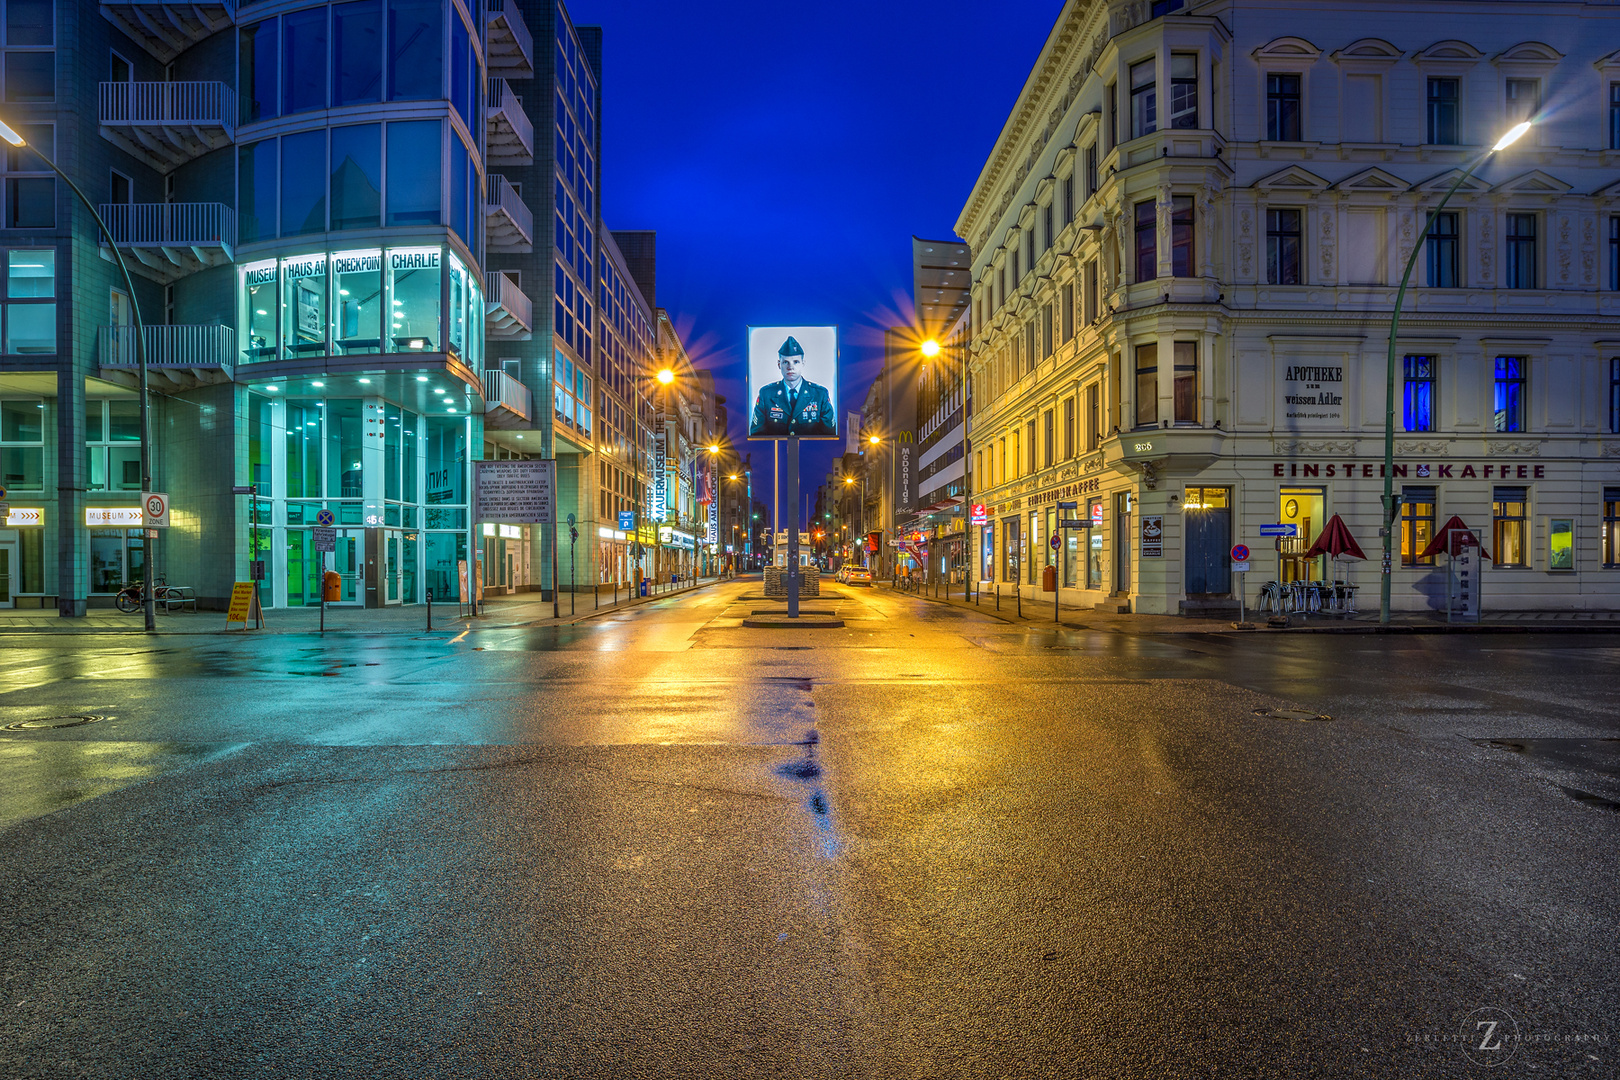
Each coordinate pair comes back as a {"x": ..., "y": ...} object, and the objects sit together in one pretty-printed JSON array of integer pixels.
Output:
[
  {"x": 324, "y": 519},
  {"x": 627, "y": 520},
  {"x": 1279, "y": 530}
]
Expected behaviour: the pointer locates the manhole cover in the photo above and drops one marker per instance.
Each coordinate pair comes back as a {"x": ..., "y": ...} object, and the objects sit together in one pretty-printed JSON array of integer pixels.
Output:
[
  {"x": 1291, "y": 714},
  {"x": 46, "y": 722}
]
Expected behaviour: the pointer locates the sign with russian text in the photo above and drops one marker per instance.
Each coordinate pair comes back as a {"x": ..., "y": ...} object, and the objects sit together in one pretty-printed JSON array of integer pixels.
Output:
[{"x": 516, "y": 492}]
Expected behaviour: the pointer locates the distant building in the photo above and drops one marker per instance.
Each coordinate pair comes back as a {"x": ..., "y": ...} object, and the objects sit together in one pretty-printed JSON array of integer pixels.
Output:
[{"x": 1187, "y": 240}]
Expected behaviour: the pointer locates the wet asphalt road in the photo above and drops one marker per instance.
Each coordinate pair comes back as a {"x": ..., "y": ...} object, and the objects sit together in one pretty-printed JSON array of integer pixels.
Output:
[{"x": 929, "y": 844}]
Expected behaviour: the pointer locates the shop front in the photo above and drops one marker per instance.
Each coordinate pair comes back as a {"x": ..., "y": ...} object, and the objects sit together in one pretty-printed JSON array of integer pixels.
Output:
[
  {"x": 22, "y": 557},
  {"x": 507, "y": 558}
]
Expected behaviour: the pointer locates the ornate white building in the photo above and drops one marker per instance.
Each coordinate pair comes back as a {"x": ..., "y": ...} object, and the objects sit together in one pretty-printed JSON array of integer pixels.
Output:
[{"x": 1188, "y": 240}]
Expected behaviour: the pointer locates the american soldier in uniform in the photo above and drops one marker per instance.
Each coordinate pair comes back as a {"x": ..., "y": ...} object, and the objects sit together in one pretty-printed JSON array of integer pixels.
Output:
[{"x": 793, "y": 405}]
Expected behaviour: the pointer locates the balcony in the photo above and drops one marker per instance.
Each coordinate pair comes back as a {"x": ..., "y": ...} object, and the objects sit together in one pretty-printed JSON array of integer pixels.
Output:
[
  {"x": 507, "y": 402},
  {"x": 508, "y": 223},
  {"x": 508, "y": 45},
  {"x": 177, "y": 357},
  {"x": 167, "y": 124},
  {"x": 508, "y": 311},
  {"x": 167, "y": 29},
  {"x": 509, "y": 135},
  {"x": 171, "y": 240}
]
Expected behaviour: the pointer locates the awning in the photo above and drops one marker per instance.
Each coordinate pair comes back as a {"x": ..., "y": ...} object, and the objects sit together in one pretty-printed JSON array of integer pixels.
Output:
[
  {"x": 1336, "y": 541},
  {"x": 1452, "y": 538}
]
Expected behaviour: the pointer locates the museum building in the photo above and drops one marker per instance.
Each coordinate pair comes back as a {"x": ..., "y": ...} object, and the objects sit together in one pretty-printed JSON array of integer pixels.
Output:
[{"x": 1188, "y": 240}]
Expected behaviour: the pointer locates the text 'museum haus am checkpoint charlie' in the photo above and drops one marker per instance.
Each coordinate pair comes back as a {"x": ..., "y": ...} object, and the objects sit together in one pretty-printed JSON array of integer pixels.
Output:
[
  {"x": 368, "y": 251},
  {"x": 1188, "y": 239}
]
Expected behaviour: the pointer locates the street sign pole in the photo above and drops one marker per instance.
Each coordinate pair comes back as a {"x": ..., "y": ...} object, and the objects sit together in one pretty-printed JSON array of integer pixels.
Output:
[{"x": 791, "y": 482}]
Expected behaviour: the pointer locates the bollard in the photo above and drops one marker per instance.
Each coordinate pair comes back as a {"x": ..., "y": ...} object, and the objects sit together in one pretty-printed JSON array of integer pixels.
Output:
[
  {"x": 430, "y": 608},
  {"x": 998, "y": 596},
  {"x": 1018, "y": 591}
]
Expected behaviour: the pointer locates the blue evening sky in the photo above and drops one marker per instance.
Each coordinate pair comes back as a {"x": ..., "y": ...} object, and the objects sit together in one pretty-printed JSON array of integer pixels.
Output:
[{"x": 786, "y": 154}]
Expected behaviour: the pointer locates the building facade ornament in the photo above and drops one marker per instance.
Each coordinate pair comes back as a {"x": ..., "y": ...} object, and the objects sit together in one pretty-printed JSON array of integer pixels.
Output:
[{"x": 1501, "y": 447}]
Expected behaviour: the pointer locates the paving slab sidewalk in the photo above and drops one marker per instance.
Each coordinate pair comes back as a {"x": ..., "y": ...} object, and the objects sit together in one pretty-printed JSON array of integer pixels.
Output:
[
  {"x": 1035, "y": 613},
  {"x": 522, "y": 610}
]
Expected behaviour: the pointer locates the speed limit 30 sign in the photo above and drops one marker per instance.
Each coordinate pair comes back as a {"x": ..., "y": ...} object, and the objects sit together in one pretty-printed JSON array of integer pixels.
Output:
[{"x": 155, "y": 510}]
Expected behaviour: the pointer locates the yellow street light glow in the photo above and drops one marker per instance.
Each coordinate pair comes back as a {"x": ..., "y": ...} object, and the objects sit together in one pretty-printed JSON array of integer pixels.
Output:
[
  {"x": 9, "y": 135},
  {"x": 666, "y": 376},
  {"x": 930, "y": 348},
  {"x": 1515, "y": 133},
  {"x": 849, "y": 479},
  {"x": 874, "y": 440},
  {"x": 714, "y": 449}
]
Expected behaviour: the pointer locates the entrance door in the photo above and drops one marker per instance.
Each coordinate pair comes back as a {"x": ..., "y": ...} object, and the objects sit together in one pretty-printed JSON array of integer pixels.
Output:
[
  {"x": 1122, "y": 542},
  {"x": 1207, "y": 515},
  {"x": 8, "y": 559},
  {"x": 391, "y": 567},
  {"x": 349, "y": 560}
]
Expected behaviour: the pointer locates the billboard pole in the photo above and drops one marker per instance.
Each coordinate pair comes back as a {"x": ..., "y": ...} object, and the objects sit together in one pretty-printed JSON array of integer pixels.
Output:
[{"x": 792, "y": 485}]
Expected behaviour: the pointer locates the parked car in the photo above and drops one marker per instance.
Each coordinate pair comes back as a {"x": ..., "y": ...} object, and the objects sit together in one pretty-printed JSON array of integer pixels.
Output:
[{"x": 858, "y": 575}]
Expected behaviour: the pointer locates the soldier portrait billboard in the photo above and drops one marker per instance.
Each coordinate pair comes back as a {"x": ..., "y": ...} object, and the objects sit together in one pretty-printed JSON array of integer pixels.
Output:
[{"x": 793, "y": 382}]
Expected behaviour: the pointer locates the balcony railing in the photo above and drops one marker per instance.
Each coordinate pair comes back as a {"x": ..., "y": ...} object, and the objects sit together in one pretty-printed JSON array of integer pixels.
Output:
[
  {"x": 509, "y": 138},
  {"x": 509, "y": 47},
  {"x": 170, "y": 240},
  {"x": 507, "y": 402},
  {"x": 168, "y": 123},
  {"x": 509, "y": 313},
  {"x": 166, "y": 29},
  {"x": 509, "y": 223},
  {"x": 177, "y": 357}
]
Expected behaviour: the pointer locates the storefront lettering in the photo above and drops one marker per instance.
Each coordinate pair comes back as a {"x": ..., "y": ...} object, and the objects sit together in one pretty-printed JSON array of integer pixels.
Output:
[
  {"x": 1085, "y": 487},
  {"x": 260, "y": 275},
  {"x": 356, "y": 264},
  {"x": 302, "y": 268},
  {"x": 1352, "y": 470},
  {"x": 413, "y": 260}
]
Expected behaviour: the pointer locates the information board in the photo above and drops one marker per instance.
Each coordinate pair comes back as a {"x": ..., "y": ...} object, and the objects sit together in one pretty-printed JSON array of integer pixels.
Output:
[{"x": 516, "y": 492}]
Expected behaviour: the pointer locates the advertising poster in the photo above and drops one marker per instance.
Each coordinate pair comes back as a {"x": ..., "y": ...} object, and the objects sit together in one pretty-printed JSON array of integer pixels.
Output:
[
  {"x": 793, "y": 382},
  {"x": 1152, "y": 537}
]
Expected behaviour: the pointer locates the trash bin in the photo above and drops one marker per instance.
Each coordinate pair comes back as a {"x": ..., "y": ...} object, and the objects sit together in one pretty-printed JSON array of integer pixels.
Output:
[
  {"x": 1049, "y": 579},
  {"x": 332, "y": 587},
  {"x": 643, "y": 590}
]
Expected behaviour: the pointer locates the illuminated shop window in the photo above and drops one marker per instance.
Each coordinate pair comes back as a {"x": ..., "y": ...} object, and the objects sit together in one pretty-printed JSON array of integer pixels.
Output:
[
  {"x": 303, "y": 299},
  {"x": 414, "y": 286},
  {"x": 357, "y": 275},
  {"x": 456, "y": 331}
]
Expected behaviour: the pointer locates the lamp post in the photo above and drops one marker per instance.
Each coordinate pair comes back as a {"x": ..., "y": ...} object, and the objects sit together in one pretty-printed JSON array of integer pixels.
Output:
[
  {"x": 10, "y": 135},
  {"x": 1391, "y": 507}
]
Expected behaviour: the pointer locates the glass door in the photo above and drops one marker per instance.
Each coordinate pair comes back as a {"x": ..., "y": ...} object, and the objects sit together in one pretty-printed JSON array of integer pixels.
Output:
[
  {"x": 1122, "y": 543},
  {"x": 349, "y": 560},
  {"x": 391, "y": 564}
]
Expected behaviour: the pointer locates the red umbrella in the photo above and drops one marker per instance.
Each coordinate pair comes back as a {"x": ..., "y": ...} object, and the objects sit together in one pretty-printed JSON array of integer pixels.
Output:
[
  {"x": 1336, "y": 541},
  {"x": 1452, "y": 538}
]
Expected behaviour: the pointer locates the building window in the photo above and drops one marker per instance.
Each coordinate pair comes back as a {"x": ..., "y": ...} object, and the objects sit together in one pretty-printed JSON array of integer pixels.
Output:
[
  {"x": 1442, "y": 251},
  {"x": 1029, "y": 441},
  {"x": 1614, "y": 116},
  {"x": 1147, "y": 385},
  {"x": 1614, "y": 393},
  {"x": 1523, "y": 100},
  {"x": 1509, "y": 398},
  {"x": 1282, "y": 107},
  {"x": 1417, "y": 525},
  {"x": 30, "y": 33},
  {"x": 1093, "y": 417},
  {"x": 1068, "y": 428},
  {"x": 30, "y": 321},
  {"x": 1147, "y": 248},
  {"x": 22, "y": 445},
  {"x": 1069, "y": 207},
  {"x": 1445, "y": 102},
  {"x": 1092, "y": 298},
  {"x": 1611, "y": 526},
  {"x": 1519, "y": 264},
  {"x": 1048, "y": 441},
  {"x": 1419, "y": 400},
  {"x": 1091, "y": 168},
  {"x": 1186, "y": 384},
  {"x": 1028, "y": 357},
  {"x": 1510, "y": 527},
  {"x": 1282, "y": 246},
  {"x": 1183, "y": 90},
  {"x": 1046, "y": 331},
  {"x": 1181, "y": 237},
  {"x": 1144, "y": 99},
  {"x": 1068, "y": 311},
  {"x": 112, "y": 432},
  {"x": 1112, "y": 131},
  {"x": 30, "y": 188},
  {"x": 1046, "y": 228}
]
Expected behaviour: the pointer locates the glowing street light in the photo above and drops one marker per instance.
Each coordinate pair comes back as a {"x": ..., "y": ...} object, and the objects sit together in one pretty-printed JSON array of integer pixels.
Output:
[
  {"x": 930, "y": 348},
  {"x": 666, "y": 376}
]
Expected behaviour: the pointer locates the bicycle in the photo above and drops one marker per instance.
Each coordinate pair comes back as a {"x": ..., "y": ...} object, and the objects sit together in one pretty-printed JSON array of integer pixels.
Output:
[{"x": 130, "y": 598}]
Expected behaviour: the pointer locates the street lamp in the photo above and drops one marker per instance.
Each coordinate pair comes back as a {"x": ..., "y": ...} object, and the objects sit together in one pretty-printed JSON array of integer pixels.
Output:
[
  {"x": 10, "y": 135},
  {"x": 930, "y": 349},
  {"x": 1391, "y": 507}
]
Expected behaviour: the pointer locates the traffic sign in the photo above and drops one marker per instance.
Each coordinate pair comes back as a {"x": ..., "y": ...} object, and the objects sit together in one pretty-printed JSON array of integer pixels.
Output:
[
  {"x": 324, "y": 519},
  {"x": 1068, "y": 506},
  {"x": 325, "y": 537},
  {"x": 1279, "y": 530},
  {"x": 627, "y": 520},
  {"x": 1240, "y": 566},
  {"x": 1056, "y": 541},
  {"x": 1073, "y": 523},
  {"x": 2, "y": 491},
  {"x": 155, "y": 510},
  {"x": 1240, "y": 552},
  {"x": 242, "y": 489}
]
